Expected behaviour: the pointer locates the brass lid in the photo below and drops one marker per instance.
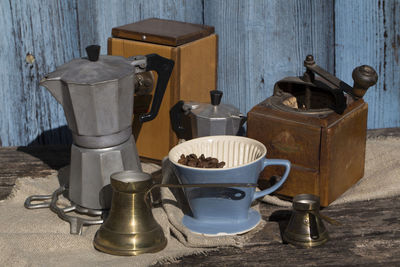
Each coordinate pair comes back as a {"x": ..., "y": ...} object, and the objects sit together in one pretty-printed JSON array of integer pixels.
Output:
[
  {"x": 306, "y": 202},
  {"x": 131, "y": 181},
  {"x": 161, "y": 31}
]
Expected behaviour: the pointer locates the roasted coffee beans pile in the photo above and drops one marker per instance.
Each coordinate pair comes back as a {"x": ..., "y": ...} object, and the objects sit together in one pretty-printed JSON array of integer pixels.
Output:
[{"x": 200, "y": 162}]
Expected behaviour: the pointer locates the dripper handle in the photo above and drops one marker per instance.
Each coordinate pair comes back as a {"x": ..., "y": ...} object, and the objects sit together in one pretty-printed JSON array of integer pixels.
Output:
[
  {"x": 163, "y": 67},
  {"x": 268, "y": 162}
]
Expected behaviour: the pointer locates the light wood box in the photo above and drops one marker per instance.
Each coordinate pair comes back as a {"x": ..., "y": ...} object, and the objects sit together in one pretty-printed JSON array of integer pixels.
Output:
[{"x": 194, "y": 50}]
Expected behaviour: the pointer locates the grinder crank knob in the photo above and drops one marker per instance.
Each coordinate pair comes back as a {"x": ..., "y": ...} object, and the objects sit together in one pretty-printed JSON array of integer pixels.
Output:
[{"x": 364, "y": 77}]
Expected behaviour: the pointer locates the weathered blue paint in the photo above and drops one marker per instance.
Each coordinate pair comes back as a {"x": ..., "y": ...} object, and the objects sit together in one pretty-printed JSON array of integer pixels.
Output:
[
  {"x": 47, "y": 30},
  {"x": 259, "y": 43},
  {"x": 54, "y": 32},
  {"x": 97, "y": 18},
  {"x": 368, "y": 32}
]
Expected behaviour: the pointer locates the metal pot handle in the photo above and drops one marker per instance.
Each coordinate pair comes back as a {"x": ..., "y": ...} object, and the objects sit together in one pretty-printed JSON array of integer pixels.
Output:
[
  {"x": 163, "y": 67},
  {"x": 198, "y": 185},
  {"x": 176, "y": 114}
]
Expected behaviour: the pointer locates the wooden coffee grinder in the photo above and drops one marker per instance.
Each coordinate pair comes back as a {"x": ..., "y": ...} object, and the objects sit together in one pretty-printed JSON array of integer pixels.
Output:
[{"x": 310, "y": 121}]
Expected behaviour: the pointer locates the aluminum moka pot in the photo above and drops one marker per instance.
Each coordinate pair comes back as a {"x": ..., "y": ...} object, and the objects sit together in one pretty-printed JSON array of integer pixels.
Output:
[
  {"x": 193, "y": 119},
  {"x": 97, "y": 94}
]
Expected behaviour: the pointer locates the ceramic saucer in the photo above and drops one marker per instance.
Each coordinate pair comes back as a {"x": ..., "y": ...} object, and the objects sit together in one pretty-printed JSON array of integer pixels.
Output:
[{"x": 227, "y": 227}]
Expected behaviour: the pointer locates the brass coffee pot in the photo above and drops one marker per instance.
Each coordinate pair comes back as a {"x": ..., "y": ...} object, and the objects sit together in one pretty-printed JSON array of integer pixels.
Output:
[
  {"x": 305, "y": 228},
  {"x": 130, "y": 228}
]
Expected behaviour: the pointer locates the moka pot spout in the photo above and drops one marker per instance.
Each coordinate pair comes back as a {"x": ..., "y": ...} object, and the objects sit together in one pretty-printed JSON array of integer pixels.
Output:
[{"x": 54, "y": 85}]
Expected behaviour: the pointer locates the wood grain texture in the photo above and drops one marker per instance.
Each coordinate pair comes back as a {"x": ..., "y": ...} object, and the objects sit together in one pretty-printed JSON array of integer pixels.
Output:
[
  {"x": 369, "y": 236},
  {"x": 30, "y": 162},
  {"x": 48, "y": 31},
  {"x": 261, "y": 42},
  {"x": 368, "y": 32}
]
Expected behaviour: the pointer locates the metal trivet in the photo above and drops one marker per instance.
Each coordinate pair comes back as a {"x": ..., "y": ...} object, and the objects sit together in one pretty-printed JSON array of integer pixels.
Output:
[{"x": 76, "y": 223}]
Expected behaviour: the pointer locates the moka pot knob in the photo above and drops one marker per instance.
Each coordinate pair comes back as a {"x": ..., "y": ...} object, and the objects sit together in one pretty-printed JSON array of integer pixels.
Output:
[
  {"x": 93, "y": 52},
  {"x": 216, "y": 97}
]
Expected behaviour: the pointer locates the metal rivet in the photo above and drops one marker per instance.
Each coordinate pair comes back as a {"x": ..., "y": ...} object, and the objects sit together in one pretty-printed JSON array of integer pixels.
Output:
[{"x": 144, "y": 37}]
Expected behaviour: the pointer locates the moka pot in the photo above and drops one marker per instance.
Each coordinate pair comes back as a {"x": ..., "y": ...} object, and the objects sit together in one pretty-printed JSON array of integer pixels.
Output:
[{"x": 97, "y": 96}]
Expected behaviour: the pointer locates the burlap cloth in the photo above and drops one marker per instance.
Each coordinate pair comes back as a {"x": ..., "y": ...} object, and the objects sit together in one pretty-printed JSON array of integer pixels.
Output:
[{"x": 40, "y": 238}]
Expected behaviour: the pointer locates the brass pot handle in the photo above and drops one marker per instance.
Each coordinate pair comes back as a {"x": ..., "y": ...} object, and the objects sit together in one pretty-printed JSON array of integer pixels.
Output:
[{"x": 198, "y": 185}]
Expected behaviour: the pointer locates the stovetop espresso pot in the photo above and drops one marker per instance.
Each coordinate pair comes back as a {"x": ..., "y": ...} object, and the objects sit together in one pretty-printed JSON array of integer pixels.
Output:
[
  {"x": 97, "y": 94},
  {"x": 193, "y": 119}
]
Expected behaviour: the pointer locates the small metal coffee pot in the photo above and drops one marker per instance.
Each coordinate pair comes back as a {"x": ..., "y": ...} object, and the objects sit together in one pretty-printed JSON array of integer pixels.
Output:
[
  {"x": 305, "y": 227},
  {"x": 130, "y": 228},
  {"x": 193, "y": 119}
]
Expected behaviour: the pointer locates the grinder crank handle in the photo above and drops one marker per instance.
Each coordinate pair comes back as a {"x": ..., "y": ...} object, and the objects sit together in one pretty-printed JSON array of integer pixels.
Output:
[
  {"x": 364, "y": 77},
  {"x": 163, "y": 67}
]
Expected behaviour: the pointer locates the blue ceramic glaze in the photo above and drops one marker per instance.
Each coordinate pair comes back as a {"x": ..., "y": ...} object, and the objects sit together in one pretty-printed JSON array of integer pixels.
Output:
[{"x": 227, "y": 210}]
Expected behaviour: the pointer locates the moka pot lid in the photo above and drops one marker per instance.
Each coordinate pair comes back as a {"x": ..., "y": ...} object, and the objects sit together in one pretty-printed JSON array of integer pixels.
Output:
[{"x": 93, "y": 69}]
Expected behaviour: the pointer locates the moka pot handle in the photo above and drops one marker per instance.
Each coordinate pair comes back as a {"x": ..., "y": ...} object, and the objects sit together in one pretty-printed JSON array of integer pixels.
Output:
[
  {"x": 163, "y": 67},
  {"x": 176, "y": 114}
]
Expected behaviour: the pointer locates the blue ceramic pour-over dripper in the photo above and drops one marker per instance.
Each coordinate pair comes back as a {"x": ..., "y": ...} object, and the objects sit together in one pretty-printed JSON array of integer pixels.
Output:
[{"x": 224, "y": 211}]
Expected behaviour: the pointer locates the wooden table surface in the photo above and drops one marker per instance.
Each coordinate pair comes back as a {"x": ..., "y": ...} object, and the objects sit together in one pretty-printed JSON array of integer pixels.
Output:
[{"x": 369, "y": 234}]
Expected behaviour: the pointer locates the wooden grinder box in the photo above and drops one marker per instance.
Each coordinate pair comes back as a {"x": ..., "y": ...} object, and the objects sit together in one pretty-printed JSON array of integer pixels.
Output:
[
  {"x": 193, "y": 48},
  {"x": 327, "y": 154}
]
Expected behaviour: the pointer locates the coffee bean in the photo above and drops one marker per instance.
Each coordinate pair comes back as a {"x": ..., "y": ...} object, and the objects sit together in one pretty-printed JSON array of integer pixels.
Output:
[
  {"x": 221, "y": 164},
  {"x": 200, "y": 162}
]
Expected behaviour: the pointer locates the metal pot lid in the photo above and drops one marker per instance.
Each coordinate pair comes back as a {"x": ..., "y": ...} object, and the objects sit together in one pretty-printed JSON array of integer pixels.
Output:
[
  {"x": 93, "y": 69},
  {"x": 215, "y": 110}
]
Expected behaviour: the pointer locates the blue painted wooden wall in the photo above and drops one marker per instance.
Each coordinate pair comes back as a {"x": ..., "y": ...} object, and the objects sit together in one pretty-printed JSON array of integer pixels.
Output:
[{"x": 260, "y": 42}]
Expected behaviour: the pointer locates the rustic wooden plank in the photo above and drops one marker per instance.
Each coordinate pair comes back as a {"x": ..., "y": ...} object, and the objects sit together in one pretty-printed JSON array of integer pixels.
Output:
[
  {"x": 32, "y": 162},
  {"x": 369, "y": 236},
  {"x": 47, "y": 30},
  {"x": 368, "y": 32},
  {"x": 385, "y": 132},
  {"x": 97, "y": 18},
  {"x": 263, "y": 41}
]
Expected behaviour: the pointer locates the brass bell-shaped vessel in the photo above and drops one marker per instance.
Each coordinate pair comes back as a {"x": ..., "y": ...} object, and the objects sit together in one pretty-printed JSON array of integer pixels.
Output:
[
  {"x": 305, "y": 228},
  {"x": 130, "y": 228}
]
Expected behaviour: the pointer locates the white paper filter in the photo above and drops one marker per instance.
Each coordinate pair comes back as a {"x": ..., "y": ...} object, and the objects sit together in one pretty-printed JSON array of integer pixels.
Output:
[{"x": 234, "y": 150}]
